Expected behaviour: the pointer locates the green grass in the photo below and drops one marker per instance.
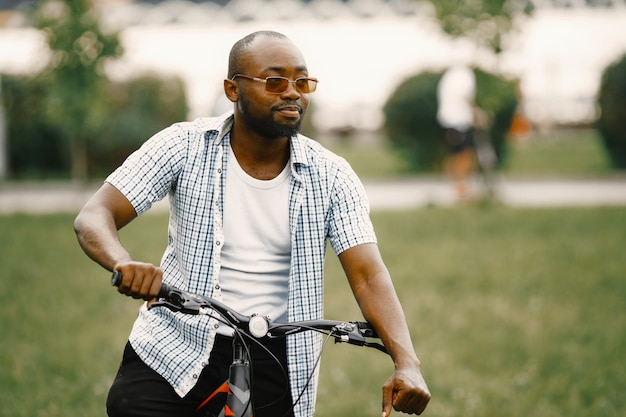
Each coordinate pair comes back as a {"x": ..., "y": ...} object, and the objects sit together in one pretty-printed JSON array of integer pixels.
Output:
[
  {"x": 514, "y": 312},
  {"x": 561, "y": 153},
  {"x": 571, "y": 153},
  {"x": 372, "y": 159}
]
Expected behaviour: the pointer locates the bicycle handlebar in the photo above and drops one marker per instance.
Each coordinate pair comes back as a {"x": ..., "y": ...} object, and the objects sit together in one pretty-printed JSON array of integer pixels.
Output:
[{"x": 175, "y": 299}]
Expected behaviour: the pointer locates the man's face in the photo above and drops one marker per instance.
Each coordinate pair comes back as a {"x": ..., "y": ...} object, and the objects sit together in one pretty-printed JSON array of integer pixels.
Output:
[{"x": 269, "y": 114}]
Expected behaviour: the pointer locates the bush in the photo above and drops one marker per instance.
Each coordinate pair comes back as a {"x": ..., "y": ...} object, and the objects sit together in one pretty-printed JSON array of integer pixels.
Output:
[
  {"x": 497, "y": 96},
  {"x": 612, "y": 120},
  {"x": 138, "y": 109},
  {"x": 133, "y": 111},
  {"x": 411, "y": 117},
  {"x": 411, "y": 121},
  {"x": 35, "y": 149}
]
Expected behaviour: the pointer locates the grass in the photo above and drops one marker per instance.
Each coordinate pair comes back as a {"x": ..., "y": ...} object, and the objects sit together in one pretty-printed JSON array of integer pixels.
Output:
[
  {"x": 513, "y": 312},
  {"x": 576, "y": 152},
  {"x": 372, "y": 159},
  {"x": 563, "y": 152}
]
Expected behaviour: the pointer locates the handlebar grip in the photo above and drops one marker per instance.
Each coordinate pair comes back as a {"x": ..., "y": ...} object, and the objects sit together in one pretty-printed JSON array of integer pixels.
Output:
[
  {"x": 366, "y": 329},
  {"x": 166, "y": 291},
  {"x": 116, "y": 280}
]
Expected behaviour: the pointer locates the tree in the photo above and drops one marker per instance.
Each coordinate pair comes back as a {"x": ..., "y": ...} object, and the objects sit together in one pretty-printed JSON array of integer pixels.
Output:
[
  {"x": 484, "y": 21},
  {"x": 74, "y": 75}
]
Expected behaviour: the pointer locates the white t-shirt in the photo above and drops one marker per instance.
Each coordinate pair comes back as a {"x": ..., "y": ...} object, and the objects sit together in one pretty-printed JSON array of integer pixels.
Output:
[
  {"x": 256, "y": 255},
  {"x": 456, "y": 91}
]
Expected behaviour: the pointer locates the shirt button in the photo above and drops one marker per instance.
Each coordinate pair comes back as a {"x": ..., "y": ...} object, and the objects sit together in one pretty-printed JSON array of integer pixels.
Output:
[
  {"x": 195, "y": 376},
  {"x": 218, "y": 243},
  {"x": 217, "y": 286},
  {"x": 219, "y": 170}
]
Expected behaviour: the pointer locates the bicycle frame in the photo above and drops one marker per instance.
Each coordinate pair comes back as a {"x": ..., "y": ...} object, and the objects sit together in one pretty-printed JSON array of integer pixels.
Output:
[{"x": 239, "y": 400}]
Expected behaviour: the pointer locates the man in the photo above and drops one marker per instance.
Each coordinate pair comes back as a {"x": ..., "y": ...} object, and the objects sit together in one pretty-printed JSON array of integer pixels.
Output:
[
  {"x": 252, "y": 204},
  {"x": 456, "y": 111}
]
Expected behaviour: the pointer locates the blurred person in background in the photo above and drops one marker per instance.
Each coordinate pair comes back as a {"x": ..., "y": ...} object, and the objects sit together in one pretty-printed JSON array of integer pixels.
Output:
[
  {"x": 456, "y": 113},
  {"x": 252, "y": 204}
]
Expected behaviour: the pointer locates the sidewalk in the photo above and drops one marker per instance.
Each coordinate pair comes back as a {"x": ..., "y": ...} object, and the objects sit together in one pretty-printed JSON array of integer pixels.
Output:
[
  {"x": 384, "y": 195},
  {"x": 420, "y": 192}
]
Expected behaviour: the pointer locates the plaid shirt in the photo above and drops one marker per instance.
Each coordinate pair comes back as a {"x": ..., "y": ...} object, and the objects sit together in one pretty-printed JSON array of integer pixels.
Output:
[{"x": 188, "y": 161}]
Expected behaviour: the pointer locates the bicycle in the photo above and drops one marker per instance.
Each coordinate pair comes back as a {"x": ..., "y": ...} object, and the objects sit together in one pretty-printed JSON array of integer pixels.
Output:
[{"x": 250, "y": 329}]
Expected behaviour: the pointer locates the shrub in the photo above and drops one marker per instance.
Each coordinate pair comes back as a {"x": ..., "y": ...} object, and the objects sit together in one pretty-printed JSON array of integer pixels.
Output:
[
  {"x": 133, "y": 111},
  {"x": 34, "y": 147},
  {"x": 411, "y": 117},
  {"x": 612, "y": 120},
  {"x": 138, "y": 109},
  {"x": 411, "y": 121},
  {"x": 496, "y": 96}
]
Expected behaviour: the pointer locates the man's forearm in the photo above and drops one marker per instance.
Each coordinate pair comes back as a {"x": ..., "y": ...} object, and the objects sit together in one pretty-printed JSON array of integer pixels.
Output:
[
  {"x": 381, "y": 308},
  {"x": 98, "y": 238}
]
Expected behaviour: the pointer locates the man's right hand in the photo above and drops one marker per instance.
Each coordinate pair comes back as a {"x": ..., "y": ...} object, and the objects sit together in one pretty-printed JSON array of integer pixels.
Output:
[{"x": 139, "y": 280}]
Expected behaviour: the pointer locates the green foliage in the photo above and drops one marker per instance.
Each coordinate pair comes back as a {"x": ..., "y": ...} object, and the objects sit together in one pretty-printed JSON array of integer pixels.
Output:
[
  {"x": 71, "y": 120},
  {"x": 411, "y": 121},
  {"x": 137, "y": 109},
  {"x": 35, "y": 148},
  {"x": 497, "y": 97},
  {"x": 411, "y": 117},
  {"x": 486, "y": 22},
  {"x": 74, "y": 77},
  {"x": 612, "y": 121},
  {"x": 131, "y": 112}
]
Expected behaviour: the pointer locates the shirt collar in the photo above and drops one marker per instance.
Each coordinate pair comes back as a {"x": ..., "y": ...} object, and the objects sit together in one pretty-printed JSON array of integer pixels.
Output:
[
  {"x": 298, "y": 150},
  {"x": 222, "y": 125},
  {"x": 215, "y": 128}
]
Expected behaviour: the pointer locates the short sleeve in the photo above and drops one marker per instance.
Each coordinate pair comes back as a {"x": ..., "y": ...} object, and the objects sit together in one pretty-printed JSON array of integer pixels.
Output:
[
  {"x": 150, "y": 172},
  {"x": 349, "y": 221}
]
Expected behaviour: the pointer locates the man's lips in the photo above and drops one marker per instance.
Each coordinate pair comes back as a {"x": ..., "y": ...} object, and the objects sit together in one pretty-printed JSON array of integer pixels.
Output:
[{"x": 290, "y": 111}]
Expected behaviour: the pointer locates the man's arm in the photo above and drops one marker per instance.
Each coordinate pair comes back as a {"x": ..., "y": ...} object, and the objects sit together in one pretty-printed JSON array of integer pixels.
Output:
[
  {"x": 371, "y": 284},
  {"x": 96, "y": 228}
]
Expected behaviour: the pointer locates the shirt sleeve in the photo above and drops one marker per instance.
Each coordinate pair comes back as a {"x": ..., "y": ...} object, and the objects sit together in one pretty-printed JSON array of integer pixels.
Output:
[
  {"x": 350, "y": 222},
  {"x": 149, "y": 173}
]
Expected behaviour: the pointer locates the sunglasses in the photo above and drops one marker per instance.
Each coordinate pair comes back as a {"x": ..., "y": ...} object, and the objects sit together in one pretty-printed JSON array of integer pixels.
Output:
[{"x": 278, "y": 85}]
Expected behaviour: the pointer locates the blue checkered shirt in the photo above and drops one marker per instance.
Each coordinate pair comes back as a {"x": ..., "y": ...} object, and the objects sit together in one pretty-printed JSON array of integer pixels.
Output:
[{"x": 187, "y": 162}]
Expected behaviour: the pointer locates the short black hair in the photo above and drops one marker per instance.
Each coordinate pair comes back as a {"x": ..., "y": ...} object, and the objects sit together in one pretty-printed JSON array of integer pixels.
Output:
[{"x": 241, "y": 46}]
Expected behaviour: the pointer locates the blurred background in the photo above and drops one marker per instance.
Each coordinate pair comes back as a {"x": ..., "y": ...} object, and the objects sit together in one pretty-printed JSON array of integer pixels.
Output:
[
  {"x": 84, "y": 83},
  {"x": 515, "y": 298}
]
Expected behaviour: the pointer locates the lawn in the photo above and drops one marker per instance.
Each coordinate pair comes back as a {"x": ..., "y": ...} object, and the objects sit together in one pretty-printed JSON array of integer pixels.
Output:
[
  {"x": 564, "y": 152},
  {"x": 560, "y": 153},
  {"x": 514, "y": 312}
]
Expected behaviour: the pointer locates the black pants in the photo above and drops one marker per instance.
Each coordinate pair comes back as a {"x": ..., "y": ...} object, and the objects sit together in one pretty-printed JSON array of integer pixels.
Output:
[
  {"x": 138, "y": 391},
  {"x": 458, "y": 140}
]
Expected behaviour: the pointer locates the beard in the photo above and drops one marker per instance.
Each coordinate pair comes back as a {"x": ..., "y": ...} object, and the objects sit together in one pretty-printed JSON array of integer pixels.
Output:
[{"x": 268, "y": 127}]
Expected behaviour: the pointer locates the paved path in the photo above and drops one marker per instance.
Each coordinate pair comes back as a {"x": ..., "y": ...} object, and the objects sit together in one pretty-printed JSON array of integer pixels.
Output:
[
  {"x": 384, "y": 195},
  {"x": 419, "y": 192}
]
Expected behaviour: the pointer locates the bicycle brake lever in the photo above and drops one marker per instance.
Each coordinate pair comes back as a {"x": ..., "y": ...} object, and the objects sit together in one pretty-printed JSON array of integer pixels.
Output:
[
  {"x": 178, "y": 300},
  {"x": 348, "y": 333},
  {"x": 355, "y": 334}
]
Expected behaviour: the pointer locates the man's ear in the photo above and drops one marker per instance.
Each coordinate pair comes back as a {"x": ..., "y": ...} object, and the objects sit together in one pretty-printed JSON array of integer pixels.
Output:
[{"x": 231, "y": 89}]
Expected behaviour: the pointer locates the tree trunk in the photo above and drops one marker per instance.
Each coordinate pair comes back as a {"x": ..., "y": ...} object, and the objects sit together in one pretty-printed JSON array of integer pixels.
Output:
[{"x": 80, "y": 165}]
